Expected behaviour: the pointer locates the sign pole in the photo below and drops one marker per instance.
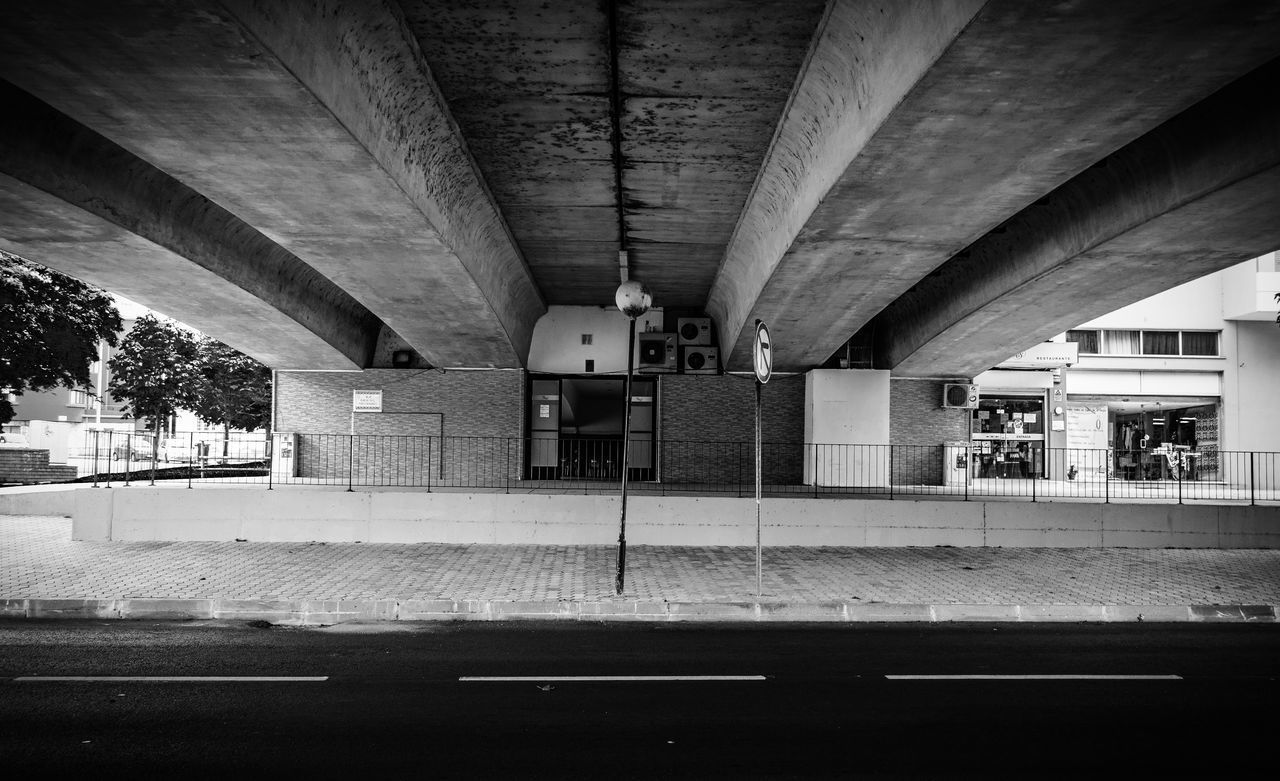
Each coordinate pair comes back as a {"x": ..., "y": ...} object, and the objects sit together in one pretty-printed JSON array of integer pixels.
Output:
[
  {"x": 762, "y": 362},
  {"x": 759, "y": 574}
]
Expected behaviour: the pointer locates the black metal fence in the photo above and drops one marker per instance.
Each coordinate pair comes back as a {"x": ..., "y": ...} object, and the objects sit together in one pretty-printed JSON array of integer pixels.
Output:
[{"x": 958, "y": 471}]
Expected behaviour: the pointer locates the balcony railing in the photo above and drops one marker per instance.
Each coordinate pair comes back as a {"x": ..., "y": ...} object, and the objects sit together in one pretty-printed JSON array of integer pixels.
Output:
[{"x": 671, "y": 467}]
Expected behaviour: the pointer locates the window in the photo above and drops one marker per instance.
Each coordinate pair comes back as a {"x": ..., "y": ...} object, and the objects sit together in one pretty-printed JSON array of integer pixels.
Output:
[
  {"x": 1122, "y": 342},
  {"x": 77, "y": 398},
  {"x": 1199, "y": 342},
  {"x": 1159, "y": 342},
  {"x": 1087, "y": 341},
  {"x": 1135, "y": 342}
]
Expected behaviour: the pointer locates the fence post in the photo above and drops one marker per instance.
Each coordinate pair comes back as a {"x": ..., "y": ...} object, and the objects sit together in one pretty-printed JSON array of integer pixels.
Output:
[
  {"x": 430, "y": 452},
  {"x": 271, "y": 451},
  {"x": 968, "y": 463},
  {"x": 351, "y": 461},
  {"x": 1181, "y": 467},
  {"x": 191, "y": 438},
  {"x": 1031, "y": 474},
  {"x": 96, "y": 435},
  {"x": 1106, "y": 478},
  {"x": 1252, "y": 492},
  {"x": 815, "y": 470},
  {"x": 891, "y": 471},
  {"x": 111, "y": 455},
  {"x": 128, "y": 457},
  {"x": 507, "y": 477}
]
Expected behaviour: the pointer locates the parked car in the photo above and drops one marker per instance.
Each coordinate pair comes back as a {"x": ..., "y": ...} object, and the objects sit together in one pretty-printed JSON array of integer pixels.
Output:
[
  {"x": 137, "y": 447},
  {"x": 179, "y": 449}
]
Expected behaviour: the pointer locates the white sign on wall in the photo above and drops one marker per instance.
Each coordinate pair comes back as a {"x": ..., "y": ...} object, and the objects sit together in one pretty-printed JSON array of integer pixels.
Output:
[
  {"x": 1087, "y": 426},
  {"x": 1046, "y": 355},
  {"x": 366, "y": 401}
]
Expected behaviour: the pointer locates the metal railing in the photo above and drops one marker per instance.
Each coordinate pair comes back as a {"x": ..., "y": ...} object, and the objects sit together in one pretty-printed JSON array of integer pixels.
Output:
[{"x": 592, "y": 465}]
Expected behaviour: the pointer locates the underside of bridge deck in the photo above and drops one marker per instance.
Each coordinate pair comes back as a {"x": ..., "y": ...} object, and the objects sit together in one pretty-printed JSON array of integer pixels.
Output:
[{"x": 949, "y": 181}]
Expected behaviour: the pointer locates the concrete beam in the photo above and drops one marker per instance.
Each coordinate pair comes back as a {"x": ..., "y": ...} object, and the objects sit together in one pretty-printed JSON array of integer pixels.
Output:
[
  {"x": 1022, "y": 98},
  {"x": 863, "y": 60},
  {"x": 318, "y": 124},
  {"x": 72, "y": 200},
  {"x": 1196, "y": 195}
]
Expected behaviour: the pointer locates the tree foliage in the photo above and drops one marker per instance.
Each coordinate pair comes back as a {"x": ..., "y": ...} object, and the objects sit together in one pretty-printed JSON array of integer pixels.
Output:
[
  {"x": 154, "y": 370},
  {"x": 50, "y": 325},
  {"x": 233, "y": 390}
]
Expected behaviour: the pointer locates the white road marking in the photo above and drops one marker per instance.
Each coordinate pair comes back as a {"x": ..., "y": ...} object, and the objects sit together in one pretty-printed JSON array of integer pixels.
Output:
[
  {"x": 1034, "y": 677},
  {"x": 596, "y": 678},
  {"x": 176, "y": 679}
]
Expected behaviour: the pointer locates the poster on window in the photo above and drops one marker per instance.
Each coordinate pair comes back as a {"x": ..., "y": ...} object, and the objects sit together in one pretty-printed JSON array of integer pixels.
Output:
[{"x": 1087, "y": 426}]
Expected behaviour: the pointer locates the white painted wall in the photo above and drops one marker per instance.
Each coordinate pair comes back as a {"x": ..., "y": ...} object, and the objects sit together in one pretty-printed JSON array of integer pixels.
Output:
[
  {"x": 844, "y": 408},
  {"x": 1195, "y": 305},
  {"x": 1249, "y": 289},
  {"x": 1251, "y": 388},
  {"x": 557, "y": 339}
]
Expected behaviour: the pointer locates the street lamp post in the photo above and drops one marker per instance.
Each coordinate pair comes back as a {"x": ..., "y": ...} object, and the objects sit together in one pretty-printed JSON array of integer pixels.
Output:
[{"x": 633, "y": 300}]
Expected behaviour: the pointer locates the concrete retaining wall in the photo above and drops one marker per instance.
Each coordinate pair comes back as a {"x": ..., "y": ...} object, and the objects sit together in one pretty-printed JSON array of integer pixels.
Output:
[
  {"x": 39, "y": 500},
  {"x": 142, "y": 513}
]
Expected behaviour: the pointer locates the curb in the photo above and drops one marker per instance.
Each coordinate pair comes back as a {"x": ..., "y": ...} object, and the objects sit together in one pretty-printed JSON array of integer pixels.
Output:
[{"x": 326, "y": 612}]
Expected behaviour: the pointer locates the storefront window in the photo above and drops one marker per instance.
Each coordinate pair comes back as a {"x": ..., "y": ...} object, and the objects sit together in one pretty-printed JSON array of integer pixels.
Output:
[
  {"x": 1008, "y": 437},
  {"x": 1166, "y": 443}
]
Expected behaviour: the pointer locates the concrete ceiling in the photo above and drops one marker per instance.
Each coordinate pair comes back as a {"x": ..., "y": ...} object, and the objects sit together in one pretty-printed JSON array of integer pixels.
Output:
[{"x": 305, "y": 178}]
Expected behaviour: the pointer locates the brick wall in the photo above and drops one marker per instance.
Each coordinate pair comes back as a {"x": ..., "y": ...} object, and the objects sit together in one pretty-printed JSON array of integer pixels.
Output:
[
  {"x": 31, "y": 465},
  {"x": 918, "y": 426},
  {"x": 436, "y": 428},
  {"x": 707, "y": 425}
]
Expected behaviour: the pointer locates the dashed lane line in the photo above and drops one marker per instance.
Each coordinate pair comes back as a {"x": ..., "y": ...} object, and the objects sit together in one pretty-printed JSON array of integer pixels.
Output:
[
  {"x": 996, "y": 677},
  {"x": 604, "y": 678},
  {"x": 168, "y": 679}
]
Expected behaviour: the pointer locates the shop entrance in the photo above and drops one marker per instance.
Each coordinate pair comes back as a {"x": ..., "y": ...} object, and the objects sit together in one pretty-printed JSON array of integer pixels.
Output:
[
  {"x": 576, "y": 426},
  {"x": 1008, "y": 437}
]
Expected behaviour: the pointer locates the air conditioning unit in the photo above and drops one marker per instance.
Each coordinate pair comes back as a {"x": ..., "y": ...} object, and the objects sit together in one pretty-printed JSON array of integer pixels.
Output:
[
  {"x": 657, "y": 353},
  {"x": 694, "y": 331},
  {"x": 700, "y": 360},
  {"x": 960, "y": 396}
]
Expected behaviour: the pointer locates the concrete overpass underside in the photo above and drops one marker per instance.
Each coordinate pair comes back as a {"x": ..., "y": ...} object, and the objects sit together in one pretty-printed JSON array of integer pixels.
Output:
[{"x": 946, "y": 183}]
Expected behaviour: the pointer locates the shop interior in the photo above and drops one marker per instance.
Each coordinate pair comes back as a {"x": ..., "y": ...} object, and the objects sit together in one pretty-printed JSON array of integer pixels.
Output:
[{"x": 1154, "y": 440}]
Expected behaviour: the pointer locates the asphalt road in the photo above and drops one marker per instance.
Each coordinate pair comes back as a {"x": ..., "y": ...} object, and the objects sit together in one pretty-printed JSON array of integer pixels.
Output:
[{"x": 669, "y": 700}]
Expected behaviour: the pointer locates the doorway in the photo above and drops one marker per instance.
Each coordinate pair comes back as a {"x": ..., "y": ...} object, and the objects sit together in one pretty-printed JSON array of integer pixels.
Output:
[{"x": 576, "y": 426}]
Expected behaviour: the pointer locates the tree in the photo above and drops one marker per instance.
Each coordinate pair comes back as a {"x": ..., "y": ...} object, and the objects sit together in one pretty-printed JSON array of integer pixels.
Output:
[
  {"x": 154, "y": 370},
  {"x": 50, "y": 325},
  {"x": 232, "y": 389}
]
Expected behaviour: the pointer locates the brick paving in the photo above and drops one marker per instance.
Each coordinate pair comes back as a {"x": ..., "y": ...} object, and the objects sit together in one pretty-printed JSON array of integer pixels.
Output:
[{"x": 39, "y": 560}]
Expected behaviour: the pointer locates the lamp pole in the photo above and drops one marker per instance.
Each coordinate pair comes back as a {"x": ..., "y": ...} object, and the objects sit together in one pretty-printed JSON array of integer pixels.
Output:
[{"x": 633, "y": 300}]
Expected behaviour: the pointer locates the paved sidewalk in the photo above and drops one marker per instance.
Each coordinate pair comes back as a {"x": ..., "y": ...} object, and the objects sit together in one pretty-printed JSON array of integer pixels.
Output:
[{"x": 43, "y": 573}]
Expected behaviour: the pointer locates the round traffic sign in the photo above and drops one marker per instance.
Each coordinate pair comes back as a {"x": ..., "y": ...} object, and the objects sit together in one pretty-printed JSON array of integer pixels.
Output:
[{"x": 762, "y": 353}]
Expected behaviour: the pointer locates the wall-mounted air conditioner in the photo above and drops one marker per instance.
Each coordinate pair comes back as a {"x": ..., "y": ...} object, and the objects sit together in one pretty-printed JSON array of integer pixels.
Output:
[{"x": 960, "y": 396}]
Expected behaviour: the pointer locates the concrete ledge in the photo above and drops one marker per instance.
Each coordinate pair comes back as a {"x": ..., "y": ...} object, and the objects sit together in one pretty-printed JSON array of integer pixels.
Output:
[
  {"x": 976, "y": 613},
  {"x": 38, "y": 500},
  {"x": 880, "y": 611},
  {"x": 331, "y": 515},
  {"x": 328, "y": 612}
]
